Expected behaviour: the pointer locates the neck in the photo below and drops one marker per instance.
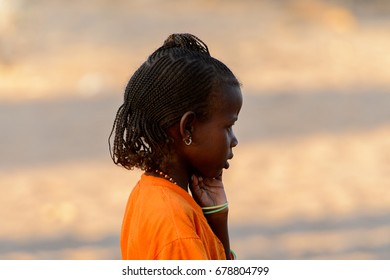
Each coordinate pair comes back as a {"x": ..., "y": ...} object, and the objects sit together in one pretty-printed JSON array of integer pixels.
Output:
[{"x": 171, "y": 175}]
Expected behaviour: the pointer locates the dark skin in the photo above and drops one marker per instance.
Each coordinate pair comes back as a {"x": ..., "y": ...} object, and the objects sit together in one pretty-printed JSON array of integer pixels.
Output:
[{"x": 199, "y": 165}]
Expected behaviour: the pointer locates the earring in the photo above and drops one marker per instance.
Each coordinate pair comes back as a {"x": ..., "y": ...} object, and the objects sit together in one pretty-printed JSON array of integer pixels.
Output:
[{"x": 188, "y": 141}]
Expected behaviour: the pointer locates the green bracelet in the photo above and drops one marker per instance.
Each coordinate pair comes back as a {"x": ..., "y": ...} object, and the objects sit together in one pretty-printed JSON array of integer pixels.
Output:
[
  {"x": 233, "y": 255},
  {"x": 215, "y": 209}
]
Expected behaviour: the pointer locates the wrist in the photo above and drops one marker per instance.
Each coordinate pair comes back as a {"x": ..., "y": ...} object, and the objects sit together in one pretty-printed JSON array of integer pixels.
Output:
[
  {"x": 232, "y": 255},
  {"x": 207, "y": 210}
]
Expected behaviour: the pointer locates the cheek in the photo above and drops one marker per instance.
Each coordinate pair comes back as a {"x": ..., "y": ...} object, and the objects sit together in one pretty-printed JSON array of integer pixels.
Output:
[
  {"x": 216, "y": 147},
  {"x": 222, "y": 147}
]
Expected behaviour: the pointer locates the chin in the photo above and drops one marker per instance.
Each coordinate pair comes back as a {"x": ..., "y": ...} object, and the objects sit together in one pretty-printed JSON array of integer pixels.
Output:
[
  {"x": 218, "y": 173},
  {"x": 209, "y": 174}
]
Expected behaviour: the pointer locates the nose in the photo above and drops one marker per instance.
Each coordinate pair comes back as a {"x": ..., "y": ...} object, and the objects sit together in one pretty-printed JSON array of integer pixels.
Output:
[{"x": 234, "y": 141}]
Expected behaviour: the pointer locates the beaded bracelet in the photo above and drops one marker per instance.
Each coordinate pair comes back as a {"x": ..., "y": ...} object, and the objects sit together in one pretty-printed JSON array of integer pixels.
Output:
[{"x": 214, "y": 209}]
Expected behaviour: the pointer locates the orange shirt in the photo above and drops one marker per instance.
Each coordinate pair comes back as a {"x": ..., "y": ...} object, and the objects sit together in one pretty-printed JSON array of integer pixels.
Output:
[{"x": 162, "y": 221}]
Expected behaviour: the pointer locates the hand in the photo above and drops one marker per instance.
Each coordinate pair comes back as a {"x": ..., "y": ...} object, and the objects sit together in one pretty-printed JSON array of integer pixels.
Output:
[{"x": 208, "y": 191}]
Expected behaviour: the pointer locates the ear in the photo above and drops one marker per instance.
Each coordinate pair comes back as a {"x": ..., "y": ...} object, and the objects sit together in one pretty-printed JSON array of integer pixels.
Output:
[{"x": 187, "y": 124}]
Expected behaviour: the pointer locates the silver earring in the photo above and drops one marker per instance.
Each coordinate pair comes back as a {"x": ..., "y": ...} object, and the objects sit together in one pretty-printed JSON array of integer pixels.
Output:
[{"x": 188, "y": 141}]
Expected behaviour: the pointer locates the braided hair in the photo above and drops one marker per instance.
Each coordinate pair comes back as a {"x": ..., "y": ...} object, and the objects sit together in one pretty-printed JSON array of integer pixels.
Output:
[{"x": 179, "y": 76}]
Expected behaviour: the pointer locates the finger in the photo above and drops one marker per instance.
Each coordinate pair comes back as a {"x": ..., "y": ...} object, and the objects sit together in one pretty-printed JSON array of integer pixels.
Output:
[
  {"x": 216, "y": 181},
  {"x": 194, "y": 180},
  {"x": 196, "y": 184}
]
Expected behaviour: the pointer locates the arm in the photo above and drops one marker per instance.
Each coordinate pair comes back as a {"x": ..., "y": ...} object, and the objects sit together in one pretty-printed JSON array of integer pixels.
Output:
[{"x": 211, "y": 192}]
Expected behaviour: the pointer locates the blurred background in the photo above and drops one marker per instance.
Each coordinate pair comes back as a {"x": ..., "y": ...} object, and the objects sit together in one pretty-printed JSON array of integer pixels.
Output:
[{"x": 311, "y": 175}]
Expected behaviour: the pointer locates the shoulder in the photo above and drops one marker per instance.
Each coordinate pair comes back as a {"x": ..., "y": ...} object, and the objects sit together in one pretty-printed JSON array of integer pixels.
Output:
[
  {"x": 159, "y": 194},
  {"x": 165, "y": 206}
]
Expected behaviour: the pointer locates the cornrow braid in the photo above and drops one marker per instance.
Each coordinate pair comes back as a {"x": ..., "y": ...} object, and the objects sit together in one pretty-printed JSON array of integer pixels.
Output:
[
  {"x": 187, "y": 41},
  {"x": 179, "y": 76}
]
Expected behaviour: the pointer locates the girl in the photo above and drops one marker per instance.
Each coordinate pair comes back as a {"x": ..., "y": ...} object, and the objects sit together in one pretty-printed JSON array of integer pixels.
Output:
[{"x": 176, "y": 125}]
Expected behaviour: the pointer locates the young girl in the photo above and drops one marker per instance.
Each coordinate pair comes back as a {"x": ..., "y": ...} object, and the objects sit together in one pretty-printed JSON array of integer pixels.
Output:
[{"x": 176, "y": 125}]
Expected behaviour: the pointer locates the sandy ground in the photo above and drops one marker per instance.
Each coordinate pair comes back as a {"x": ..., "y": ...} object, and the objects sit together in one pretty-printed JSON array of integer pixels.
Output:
[{"x": 310, "y": 177}]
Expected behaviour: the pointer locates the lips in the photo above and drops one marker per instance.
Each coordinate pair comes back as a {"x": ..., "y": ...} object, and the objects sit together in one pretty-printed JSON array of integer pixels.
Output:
[{"x": 227, "y": 163}]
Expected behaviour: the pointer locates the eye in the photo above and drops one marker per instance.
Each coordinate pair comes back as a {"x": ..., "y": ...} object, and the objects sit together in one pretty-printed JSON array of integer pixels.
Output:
[{"x": 230, "y": 124}]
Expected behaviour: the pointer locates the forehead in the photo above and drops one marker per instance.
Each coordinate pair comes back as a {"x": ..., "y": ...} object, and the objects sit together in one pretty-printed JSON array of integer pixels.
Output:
[{"x": 227, "y": 100}]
